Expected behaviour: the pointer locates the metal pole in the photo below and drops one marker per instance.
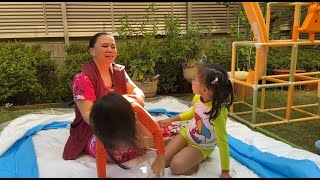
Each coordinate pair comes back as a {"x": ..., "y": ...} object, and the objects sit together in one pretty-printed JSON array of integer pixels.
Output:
[
  {"x": 255, "y": 86},
  {"x": 294, "y": 54},
  {"x": 233, "y": 67},
  {"x": 318, "y": 94},
  {"x": 268, "y": 18}
]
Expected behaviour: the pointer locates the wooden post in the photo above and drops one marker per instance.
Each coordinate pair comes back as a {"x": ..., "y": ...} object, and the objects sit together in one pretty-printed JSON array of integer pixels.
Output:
[
  {"x": 45, "y": 17},
  {"x": 189, "y": 14},
  {"x": 112, "y": 17},
  {"x": 65, "y": 22},
  {"x": 172, "y": 8},
  {"x": 227, "y": 24}
]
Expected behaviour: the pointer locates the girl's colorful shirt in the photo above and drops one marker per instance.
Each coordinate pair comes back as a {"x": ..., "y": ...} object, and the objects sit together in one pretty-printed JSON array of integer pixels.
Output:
[{"x": 205, "y": 135}]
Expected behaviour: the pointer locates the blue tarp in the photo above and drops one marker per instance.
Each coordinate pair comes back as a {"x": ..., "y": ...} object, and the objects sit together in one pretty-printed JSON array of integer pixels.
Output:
[
  {"x": 268, "y": 165},
  {"x": 159, "y": 111},
  {"x": 20, "y": 159}
]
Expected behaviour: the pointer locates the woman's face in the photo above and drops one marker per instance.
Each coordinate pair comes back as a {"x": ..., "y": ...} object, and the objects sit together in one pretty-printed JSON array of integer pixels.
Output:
[{"x": 104, "y": 49}]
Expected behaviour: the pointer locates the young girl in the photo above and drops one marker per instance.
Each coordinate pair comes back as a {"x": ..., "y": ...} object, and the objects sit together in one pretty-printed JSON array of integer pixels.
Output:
[
  {"x": 116, "y": 123},
  {"x": 213, "y": 95}
]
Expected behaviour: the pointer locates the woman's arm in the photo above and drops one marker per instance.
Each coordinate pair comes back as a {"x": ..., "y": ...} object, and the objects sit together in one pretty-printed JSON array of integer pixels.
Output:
[
  {"x": 83, "y": 94},
  {"x": 85, "y": 108},
  {"x": 134, "y": 91}
]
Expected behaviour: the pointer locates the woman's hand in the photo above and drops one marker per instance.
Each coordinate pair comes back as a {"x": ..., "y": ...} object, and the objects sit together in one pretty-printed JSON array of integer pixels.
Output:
[
  {"x": 225, "y": 174},
  {"x": 165, "y": 122},
  {"x": 138, "y": 98},
  {"x": 158, "y": 166},
  {"x": 129, "y": 98}
]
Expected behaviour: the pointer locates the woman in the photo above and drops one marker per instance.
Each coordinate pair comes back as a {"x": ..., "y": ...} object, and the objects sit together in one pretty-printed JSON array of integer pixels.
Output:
[{"x": 92, "y": 81}]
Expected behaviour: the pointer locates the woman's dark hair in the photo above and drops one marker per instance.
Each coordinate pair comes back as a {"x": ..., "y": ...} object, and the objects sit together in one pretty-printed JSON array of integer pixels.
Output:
[
  {"x": 216, "y": 79},
  {"x": 94, "y": 38},
  {"x": 112, "y": 119}
]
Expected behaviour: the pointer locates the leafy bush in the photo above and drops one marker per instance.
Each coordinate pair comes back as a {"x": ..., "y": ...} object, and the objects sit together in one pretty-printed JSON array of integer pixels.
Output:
[
  {"x": 172, "y": 55},
  {"x": 279, "y": 58},
  {"x": 193, "y": 46},
  {"x": 308, "y": 59},
  {"x": 168, "y": 81},
  {"x": 217, "y": 53},
  {"x": 141, "y": 55},
  {"x": 77, "y": 56},
  {"x": 28, "y": 73}
]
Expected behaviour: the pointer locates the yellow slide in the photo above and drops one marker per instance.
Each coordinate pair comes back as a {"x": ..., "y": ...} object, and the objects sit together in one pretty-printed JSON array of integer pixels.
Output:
[{"x": 260, "y": 33}]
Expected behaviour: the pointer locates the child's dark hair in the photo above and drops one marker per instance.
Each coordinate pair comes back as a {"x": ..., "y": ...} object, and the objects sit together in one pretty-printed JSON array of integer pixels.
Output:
[
  {"x": 94, "y": 38},
  {"x": 112, "y": 118},
  {"x": 216, "y": 79}
]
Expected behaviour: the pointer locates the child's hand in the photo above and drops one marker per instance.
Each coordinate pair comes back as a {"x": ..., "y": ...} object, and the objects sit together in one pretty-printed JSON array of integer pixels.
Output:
[
  {"x": 158, "y": 165},
  {"x": 165, "y": 122}
]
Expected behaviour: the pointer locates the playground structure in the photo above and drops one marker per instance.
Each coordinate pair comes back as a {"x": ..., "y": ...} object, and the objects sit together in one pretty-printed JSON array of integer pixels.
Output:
[{"x": 257, "y": 78}]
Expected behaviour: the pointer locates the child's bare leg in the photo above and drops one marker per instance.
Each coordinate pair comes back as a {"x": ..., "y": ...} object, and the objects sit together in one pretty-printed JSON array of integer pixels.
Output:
[
  {"x": 192, "y": 170},
  {"x": 176, "y": 145},
  {"x": 186, "y": 161},
  {"x": 167, "y": 140}
]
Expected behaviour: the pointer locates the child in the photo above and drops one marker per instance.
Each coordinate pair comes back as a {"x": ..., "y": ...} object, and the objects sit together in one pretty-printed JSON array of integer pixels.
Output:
[
  {"x": 213, "y": 95},
  {"x": 115, "y": 122}
]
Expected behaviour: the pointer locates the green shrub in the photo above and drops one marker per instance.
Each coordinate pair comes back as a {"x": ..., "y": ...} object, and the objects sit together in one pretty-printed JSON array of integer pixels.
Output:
[
  {"x": 168, "y": 81},
  {"x": 308, "y": 59},
  {"x": 217, "y": 53},
  {"x": 141, "y": 55},
  {"x": 172, "y": 56},
  {"x": 77, "y": 55},
  {"x": 279, "y": 58},
  {"x": 27, "y": 73}
]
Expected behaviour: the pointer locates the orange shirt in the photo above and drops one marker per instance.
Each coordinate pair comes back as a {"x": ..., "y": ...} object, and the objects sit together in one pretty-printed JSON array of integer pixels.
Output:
[{"x": 145, "y": 119}]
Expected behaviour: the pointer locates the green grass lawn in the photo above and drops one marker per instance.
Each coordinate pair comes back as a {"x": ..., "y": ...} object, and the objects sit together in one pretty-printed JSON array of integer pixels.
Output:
[
  {"x": 10, "y": 115},
  {"x": 7, "y": 114},
  {"x": 303, "y": 134}
]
